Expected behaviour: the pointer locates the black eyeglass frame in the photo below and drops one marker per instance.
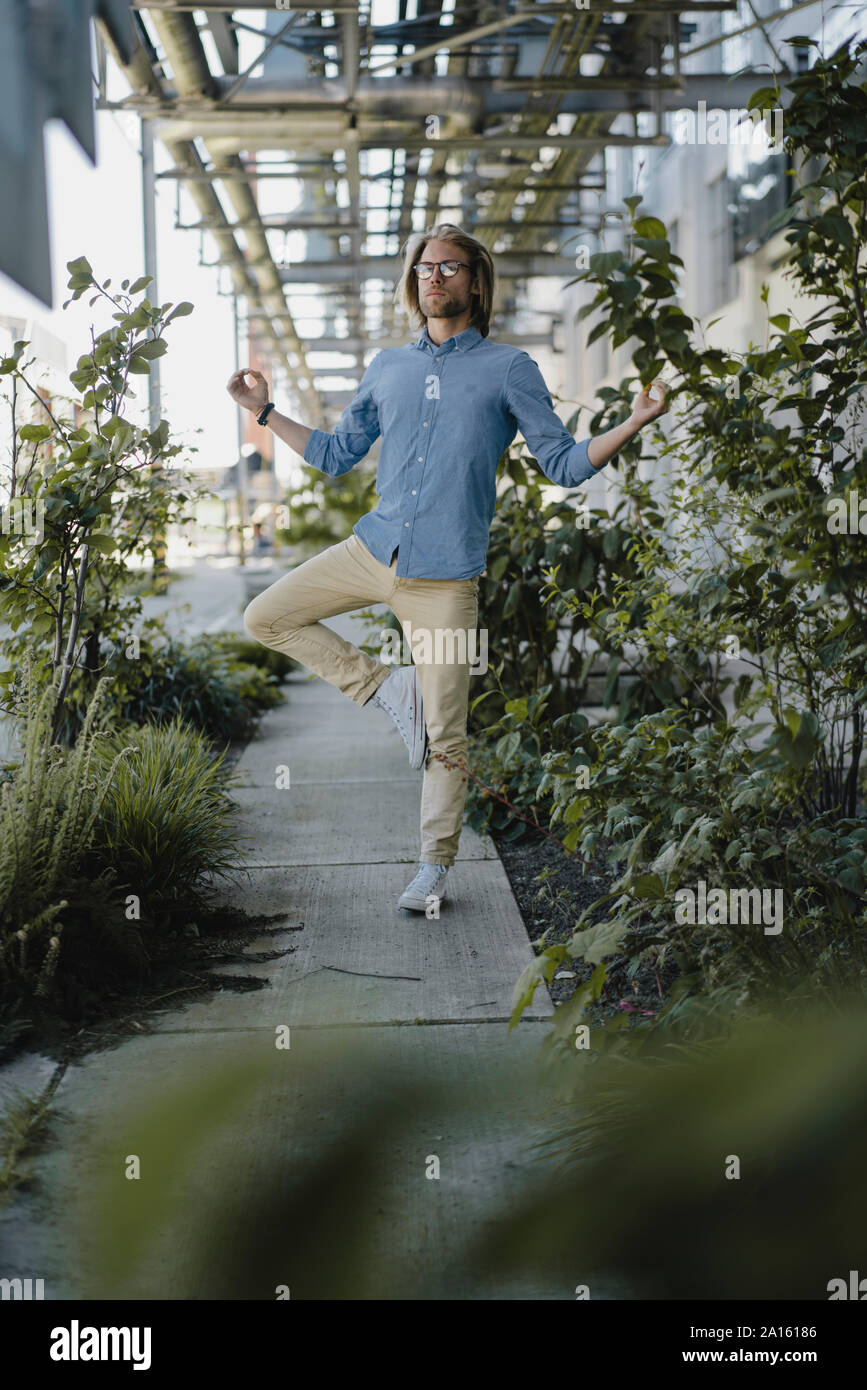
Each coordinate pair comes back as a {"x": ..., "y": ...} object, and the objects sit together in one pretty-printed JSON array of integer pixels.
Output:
[{"x": 441, "y": 264}]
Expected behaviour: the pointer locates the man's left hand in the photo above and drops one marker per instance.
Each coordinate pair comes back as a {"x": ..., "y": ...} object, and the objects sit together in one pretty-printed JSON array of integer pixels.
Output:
[{"x": 646, "y": 408}]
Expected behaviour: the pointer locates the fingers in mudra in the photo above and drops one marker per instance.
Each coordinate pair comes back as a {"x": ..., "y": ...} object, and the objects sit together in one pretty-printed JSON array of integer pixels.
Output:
[{"x": 245, "y": 394}]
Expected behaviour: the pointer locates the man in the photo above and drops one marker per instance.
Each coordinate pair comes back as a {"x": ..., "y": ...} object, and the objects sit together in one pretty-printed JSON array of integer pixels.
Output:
[{"x": 447, "y": 406}]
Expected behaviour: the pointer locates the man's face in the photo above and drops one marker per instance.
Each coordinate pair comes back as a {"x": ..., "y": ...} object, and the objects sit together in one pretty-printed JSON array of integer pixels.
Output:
[{"x": 443, "y": 298}]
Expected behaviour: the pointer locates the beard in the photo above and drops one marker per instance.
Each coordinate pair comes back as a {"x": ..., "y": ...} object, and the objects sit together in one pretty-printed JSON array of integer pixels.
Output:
[{"x": 445, "y": 306}]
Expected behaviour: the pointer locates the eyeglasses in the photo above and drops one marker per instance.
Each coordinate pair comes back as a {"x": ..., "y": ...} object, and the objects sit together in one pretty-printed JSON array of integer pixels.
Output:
[{"x": 425, "y": 269}]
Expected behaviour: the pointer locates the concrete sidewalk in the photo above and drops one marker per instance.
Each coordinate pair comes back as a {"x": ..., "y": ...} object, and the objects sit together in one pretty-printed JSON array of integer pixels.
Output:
[{"x": 373, "y": 997}]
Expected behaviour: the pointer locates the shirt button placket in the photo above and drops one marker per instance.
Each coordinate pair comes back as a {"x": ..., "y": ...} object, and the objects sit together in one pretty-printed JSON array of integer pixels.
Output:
[{"x": 425, "y": 425}]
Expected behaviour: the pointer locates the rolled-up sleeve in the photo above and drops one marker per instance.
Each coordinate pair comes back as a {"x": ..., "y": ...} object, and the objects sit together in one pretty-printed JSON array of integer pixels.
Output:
[
  {"x": 356, "y": 430},
  {"x": 561, "y": 458}
]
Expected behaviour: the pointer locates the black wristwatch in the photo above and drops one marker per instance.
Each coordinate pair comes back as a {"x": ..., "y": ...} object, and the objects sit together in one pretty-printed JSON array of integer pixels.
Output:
[{"x": 263, "y": 417}]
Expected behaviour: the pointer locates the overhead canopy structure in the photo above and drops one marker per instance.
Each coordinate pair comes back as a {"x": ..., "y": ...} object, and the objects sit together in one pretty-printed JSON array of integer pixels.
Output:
[{"x": 493, "y": 115}]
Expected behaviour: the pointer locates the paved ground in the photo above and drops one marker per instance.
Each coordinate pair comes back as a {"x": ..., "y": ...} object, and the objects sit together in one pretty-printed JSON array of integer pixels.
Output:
[{"x": 357, "y": 1154}]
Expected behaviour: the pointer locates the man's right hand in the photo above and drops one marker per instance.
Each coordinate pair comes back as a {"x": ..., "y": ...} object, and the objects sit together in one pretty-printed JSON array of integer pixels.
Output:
[{"x": 253, "y": 397}]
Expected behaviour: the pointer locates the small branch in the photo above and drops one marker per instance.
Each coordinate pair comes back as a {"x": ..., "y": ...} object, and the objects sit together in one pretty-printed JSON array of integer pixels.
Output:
[
  {"x": 46, "y": 407},
  {"x": 75, "y": 623}
]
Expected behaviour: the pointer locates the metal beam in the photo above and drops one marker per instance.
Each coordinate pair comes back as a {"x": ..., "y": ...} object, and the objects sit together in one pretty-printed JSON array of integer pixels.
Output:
[
  {"x": 350, "y": 55},
  {"x": 582, "y": 180},
  {"x": 249, "y": 175},
  {"x": 247, "y": 130},
  {"x": 182, "y": 43},
  {"x": 745, "y": 29},
  {"x": 182, "y": 6},
  {"x": 452, "y": 40},
  {"x": 501, "y": 140},
  {"x": 274, "y": 223},
  {"x": 225, "y": 39},
  {"x": 581, "y": 82},
  {"x": 406, "y": 99},
  {"x": 566, "y": 9},
  {"x": 529, "y": 179},
  {"x": 517, "y": 224},
  {"x": 141, "y": 75},
  {"x": 149, "y": 243},
  {"x": 234, "y": 89},
  {"x": 543, "y": 187}
]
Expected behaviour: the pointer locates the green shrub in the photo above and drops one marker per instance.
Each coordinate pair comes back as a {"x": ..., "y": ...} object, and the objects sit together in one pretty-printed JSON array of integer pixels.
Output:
[
  {"x": 200, "y": 682},
  {"x": 254, "y": 685},
  {"x": 145, "y": 812},
  {"x": 167, "y": 819},
  {"x": 101, "y": 953},
  {"x": 507, "y": 760},
  {"x": 250, "y": 653},
  {"x": 647, "y": 1190},
  {"x": 751, "y": 778},
  {"x": 103, "y": 485},
  {"x": 49, "y": 809},
  {"x": 532, "y": 641},
  {"x": 323, "y": 511}
]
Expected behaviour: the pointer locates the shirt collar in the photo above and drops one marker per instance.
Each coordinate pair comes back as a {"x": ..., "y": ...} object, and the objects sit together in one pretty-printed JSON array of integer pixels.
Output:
[{"x": 460, "y": 342}]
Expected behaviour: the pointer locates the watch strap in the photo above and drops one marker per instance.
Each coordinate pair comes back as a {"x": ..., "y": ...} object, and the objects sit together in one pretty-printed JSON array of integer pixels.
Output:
[{"x": 262, "y": 418}]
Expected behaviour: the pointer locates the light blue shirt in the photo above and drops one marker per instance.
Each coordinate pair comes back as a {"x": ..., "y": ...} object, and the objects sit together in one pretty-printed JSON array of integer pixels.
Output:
[{"x": 446, "y": 414}]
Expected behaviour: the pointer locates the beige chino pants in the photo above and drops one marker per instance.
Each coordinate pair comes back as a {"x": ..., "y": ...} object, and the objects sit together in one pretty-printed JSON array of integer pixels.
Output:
[{"x": 345, "y": 577}]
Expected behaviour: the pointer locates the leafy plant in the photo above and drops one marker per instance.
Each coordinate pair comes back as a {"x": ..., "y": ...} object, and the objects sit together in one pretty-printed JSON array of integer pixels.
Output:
[
  {"x": 534, "y": 643},
  {"x": 49, "y": 811},
  {"x": 322, "y": 511},
  {"x": 167, "y": 821},
  {"x": 649, "y": 1147},
  {"x": 160, "y": 678},
  {"x": 741, "y": 611},
  {"x": 627, "y": 1189},
  {"x": 87, "y": 491},
  {"x": 250, "y": 653}
]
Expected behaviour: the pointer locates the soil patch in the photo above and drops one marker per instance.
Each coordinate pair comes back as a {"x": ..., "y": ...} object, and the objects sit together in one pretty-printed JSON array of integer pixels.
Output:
[{"x": 552, "y": 891}]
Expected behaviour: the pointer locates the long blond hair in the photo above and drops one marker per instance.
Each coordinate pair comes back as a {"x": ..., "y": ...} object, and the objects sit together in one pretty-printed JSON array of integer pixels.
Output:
[{"x": 481, "y": 267}]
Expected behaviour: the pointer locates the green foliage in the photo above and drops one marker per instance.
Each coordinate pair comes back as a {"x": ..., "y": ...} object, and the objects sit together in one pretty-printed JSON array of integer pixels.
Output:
[
  {"x": 645, "y": 1146},
  {"x": 49, "y": 812},
  {"x": 746, "y": 775},
  {"x": 630, "y": 1196},
  {"x": 507, "y": 760},
  {"x": 672, "y": 805},
  {"x": 249, "y": 653},
  {"x": 166, "y": 821},
  {"x": 200, "y": 682},
  {"x": 92, "y": 491},
  {"x": 145, "y": 812},
  {"x": 561, "y": 599},
  {"x": 533, "y": 643},
  {"x": 323, "y": 510},
  {"x": 24, "y": 1127}
]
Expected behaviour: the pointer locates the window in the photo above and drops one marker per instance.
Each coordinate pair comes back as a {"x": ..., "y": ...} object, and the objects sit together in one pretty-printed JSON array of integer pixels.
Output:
[{"x": 715, "y": 285}]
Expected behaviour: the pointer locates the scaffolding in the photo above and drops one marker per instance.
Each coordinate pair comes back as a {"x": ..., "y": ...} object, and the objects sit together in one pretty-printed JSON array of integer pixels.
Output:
[{"x": 495, "y": 115}]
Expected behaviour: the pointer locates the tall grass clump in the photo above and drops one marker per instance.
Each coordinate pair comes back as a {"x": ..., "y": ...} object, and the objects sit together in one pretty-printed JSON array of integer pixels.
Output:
[
  {"x": 166, "y": 821},
  {"x": 49, "y": 811}
]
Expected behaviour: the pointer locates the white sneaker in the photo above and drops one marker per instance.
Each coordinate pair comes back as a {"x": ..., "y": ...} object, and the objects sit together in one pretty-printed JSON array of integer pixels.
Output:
[
  {"x": 428, "y": 884},
  {"x": 400, "y": 696}
]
